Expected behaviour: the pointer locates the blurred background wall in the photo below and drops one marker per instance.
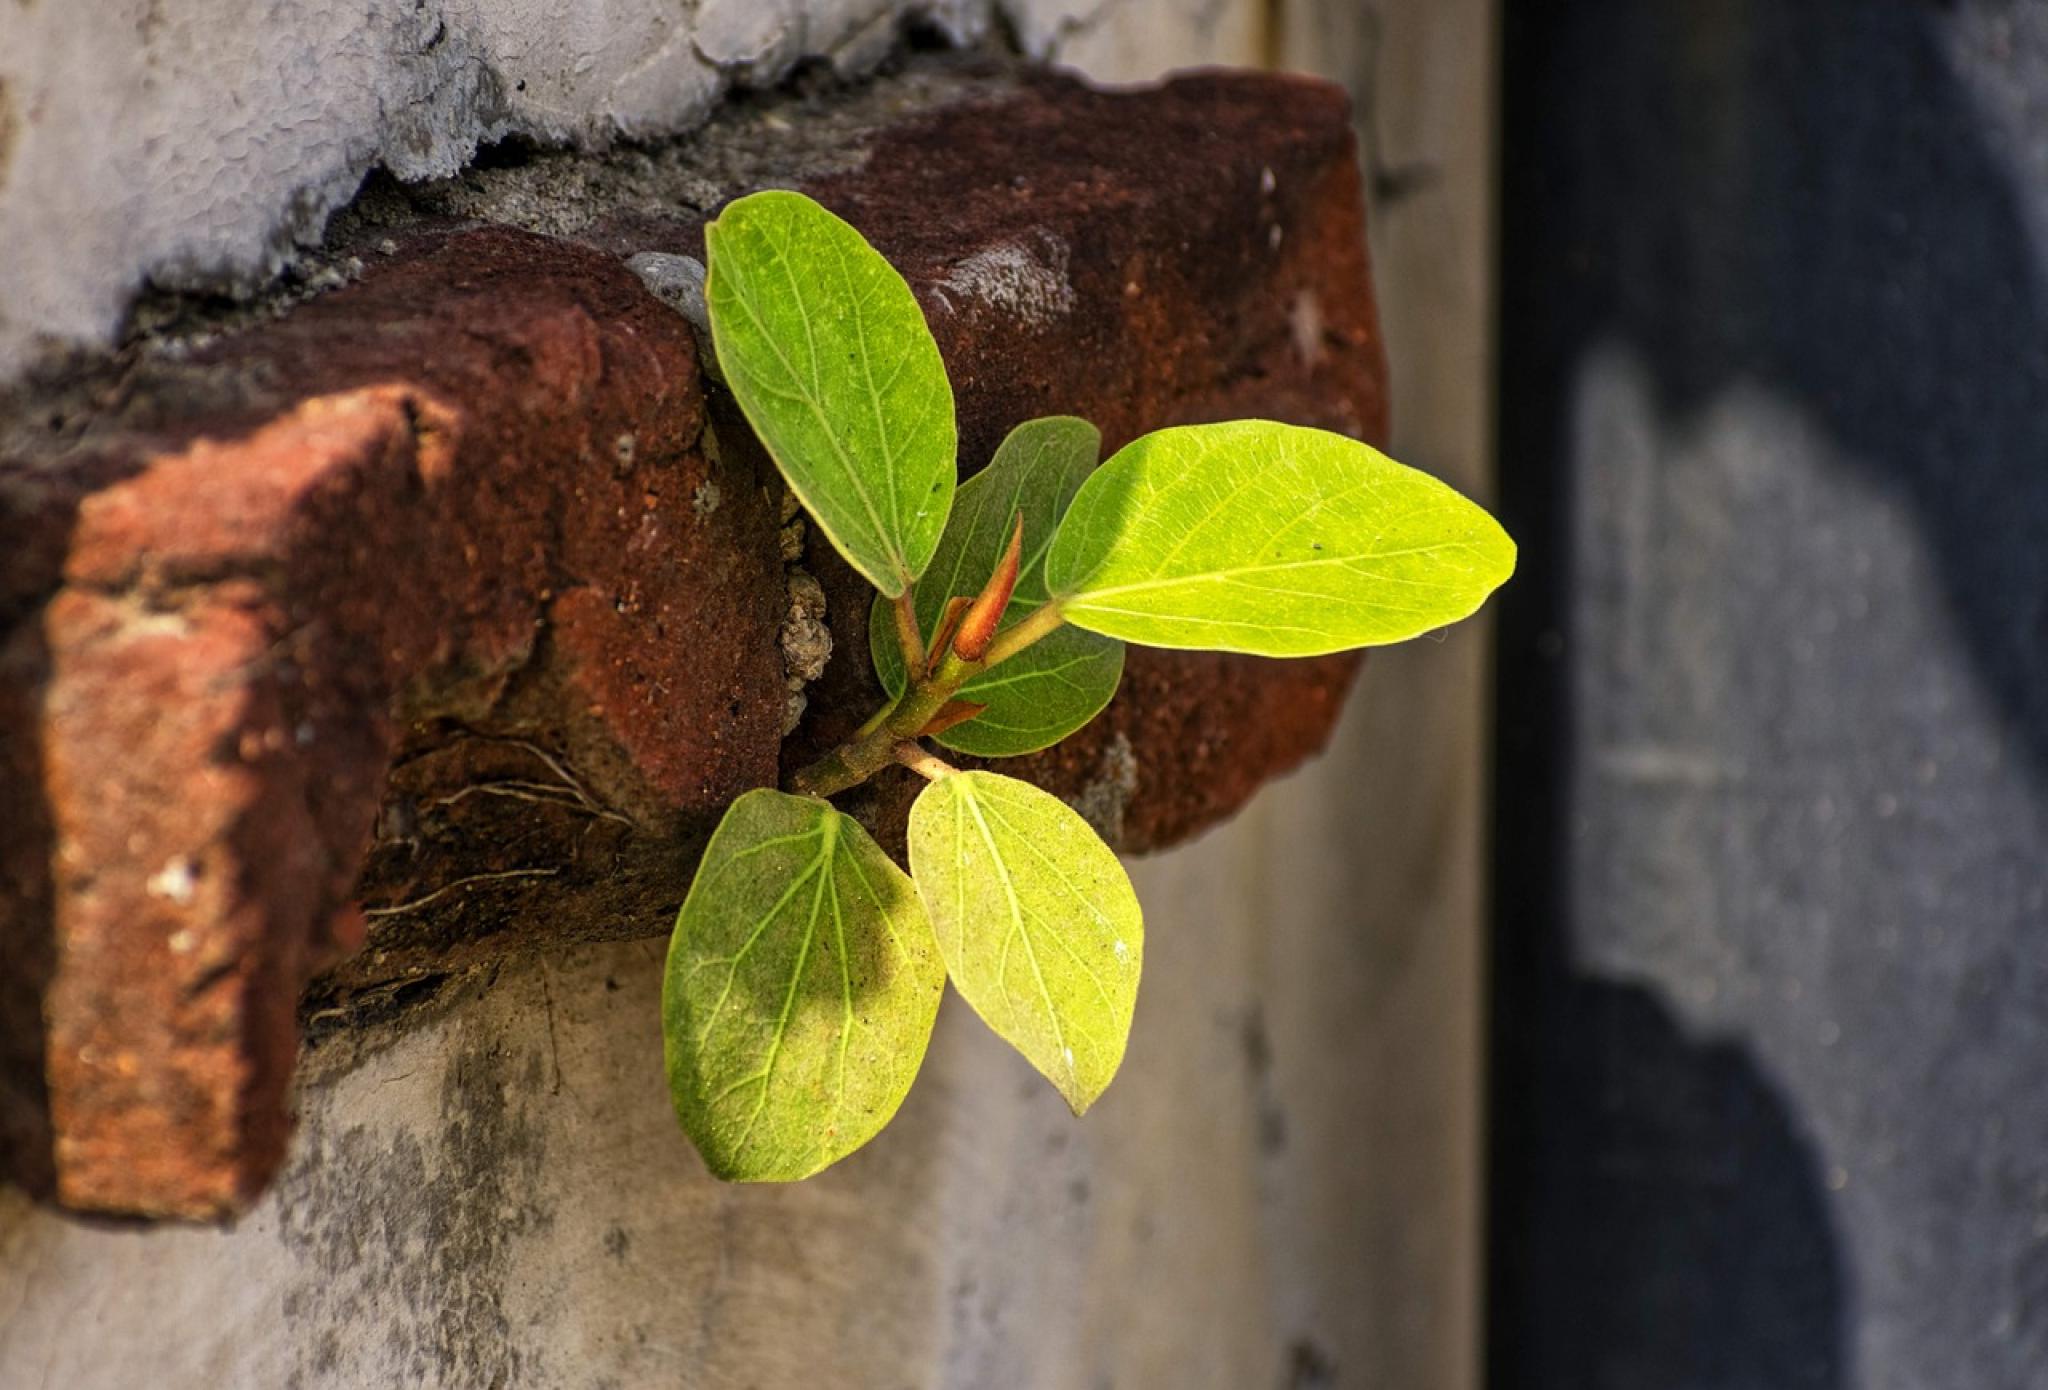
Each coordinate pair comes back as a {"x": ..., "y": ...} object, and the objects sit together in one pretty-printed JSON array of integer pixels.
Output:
[{"x": 1771, "y": 987}]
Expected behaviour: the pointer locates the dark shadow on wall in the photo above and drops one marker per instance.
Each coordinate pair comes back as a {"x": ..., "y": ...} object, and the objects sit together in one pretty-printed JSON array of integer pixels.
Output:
[
  {"x": 31, "y": 571},
  {"x": 28, "y": 953},
  {"x": 1669, "y": 1230},
  {"x": 1795, "y": 193}
]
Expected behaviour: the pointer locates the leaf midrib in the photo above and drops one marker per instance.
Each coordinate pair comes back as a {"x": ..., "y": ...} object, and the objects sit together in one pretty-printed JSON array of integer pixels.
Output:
[
  {"x": 1074, "y": 891},
  {"x": 796, "y": 975},
  {"x": 1052, "y": 1013},
  {"x": 1087, "y": 595},
  {"x": 805, "y": 392}
]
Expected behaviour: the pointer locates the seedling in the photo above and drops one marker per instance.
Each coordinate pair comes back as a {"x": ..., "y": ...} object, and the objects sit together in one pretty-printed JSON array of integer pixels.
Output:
[{"x": 805, "y": 970}]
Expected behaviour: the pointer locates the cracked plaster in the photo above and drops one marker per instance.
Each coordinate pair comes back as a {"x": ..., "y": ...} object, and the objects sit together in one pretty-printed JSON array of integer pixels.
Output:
[{"x": 203, "y": 146}]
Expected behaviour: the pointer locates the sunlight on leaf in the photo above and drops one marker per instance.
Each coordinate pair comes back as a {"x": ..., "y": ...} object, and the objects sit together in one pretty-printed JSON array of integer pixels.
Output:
[
  {"x": 829, "y": 355},
  {"x": 1058, "y": 684},
  {"x": 801, "y": 987},
  {"x": 1252, "y": 536},
  {"x": 1038, "y": 923}
]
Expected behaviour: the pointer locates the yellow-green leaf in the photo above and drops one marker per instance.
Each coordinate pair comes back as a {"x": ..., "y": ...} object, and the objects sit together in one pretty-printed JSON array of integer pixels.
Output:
[
  {"x": 829, "y": 355},
  {"x": 801, "y": 987},
  {"x": 1038, "y": 923},
  {"x": 1252, "y": 536},
  {"x": 1057, "y": 684}
]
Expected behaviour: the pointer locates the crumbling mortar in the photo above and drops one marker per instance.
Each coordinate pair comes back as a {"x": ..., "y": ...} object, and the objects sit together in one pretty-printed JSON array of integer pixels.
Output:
[{"x": 804, "y": 637}]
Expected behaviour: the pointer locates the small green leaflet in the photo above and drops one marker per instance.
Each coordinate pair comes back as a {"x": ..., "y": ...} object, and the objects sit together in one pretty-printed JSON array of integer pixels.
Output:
[
  {"x": 824, "y": 345},
  {"x": 1057, "y": 684},
  {"x": 1259, "y": 537},
  {"x": 801, "y": 987},
  {"x": 1037, "y": 922}
]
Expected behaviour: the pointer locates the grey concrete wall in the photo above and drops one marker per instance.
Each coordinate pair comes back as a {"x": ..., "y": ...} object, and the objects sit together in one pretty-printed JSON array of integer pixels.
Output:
[
  {"x": 500, "y": 1196},
  {"x": 1422, "y": 74}
]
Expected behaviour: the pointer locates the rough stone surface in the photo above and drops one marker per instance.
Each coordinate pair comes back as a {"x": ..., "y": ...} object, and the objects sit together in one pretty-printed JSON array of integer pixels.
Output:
[
  {"x": 435, "y": 595},
  {"x": 204, "y": 145},
  {"x": 201, "y": 145}
]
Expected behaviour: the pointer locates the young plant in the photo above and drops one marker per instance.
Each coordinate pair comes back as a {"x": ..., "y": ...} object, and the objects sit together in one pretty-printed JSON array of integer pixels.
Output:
[{"x": 805, "y": 970}]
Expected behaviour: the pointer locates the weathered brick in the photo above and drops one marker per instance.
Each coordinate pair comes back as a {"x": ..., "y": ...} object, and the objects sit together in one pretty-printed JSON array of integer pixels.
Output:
[{"x": 430, "y": 609}]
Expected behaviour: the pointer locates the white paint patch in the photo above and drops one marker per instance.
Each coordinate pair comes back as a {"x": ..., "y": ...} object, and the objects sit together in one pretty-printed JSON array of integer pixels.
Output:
[
  {"x": 1305, "y": 322},
  {"x": 1029, "y": 283},
  {"x": 177, "y": 881}
]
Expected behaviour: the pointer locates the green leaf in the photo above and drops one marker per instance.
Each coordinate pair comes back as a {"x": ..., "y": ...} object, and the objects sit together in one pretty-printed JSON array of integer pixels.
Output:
[
  {"x": 824, "y": 345},
  {"x": 1057, "y": 684},
  {"x": 801, "y": 987},
  {"x": 1258, "y": 537},
  {"x": 1037, "y": 922}
]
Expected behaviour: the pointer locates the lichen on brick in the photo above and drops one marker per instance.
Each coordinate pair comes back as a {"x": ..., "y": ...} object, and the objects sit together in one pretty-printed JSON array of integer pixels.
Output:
[{"x": 1025, "y": 279}]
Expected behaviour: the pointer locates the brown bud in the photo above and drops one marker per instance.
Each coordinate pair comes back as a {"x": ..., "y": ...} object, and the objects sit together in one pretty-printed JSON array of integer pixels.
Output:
[{"x": 978, "y": 628}]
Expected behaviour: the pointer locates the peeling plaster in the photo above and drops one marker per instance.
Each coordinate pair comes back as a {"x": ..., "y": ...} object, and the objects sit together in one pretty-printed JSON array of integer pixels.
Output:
[{"x": 202, "y": 146}]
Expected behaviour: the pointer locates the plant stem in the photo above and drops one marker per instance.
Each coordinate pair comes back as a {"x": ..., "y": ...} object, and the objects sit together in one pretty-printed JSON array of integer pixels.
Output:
[
  {"x": 872, "y": 749},
  {"x": 1009, "y": 643},
  {"x": 873, "y": 745},
  {"x": 906, "y": 630},
  {"x": 923, "y": 763},
  {"x": 877, "y": 719}
]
